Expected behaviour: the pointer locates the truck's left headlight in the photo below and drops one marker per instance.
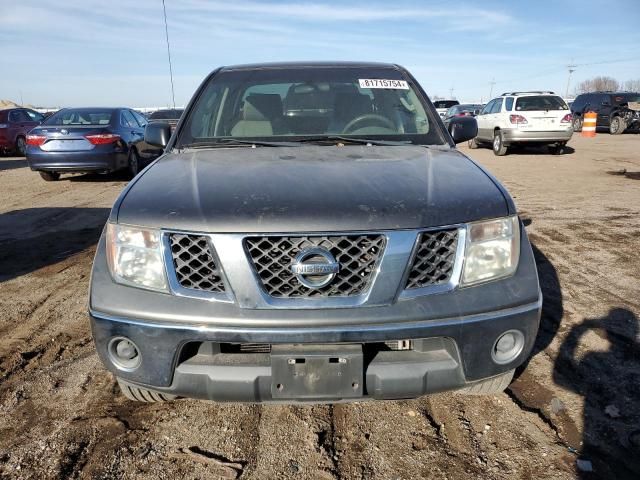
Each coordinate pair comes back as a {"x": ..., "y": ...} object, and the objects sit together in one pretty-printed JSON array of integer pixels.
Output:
[
  {"x": 492, "y": 250},
  {"x": 134, "y": 256}
]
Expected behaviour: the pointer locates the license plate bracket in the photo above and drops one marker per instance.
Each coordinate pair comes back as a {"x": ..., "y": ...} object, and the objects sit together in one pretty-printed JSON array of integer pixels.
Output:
[{"x": 316, "y": 371}]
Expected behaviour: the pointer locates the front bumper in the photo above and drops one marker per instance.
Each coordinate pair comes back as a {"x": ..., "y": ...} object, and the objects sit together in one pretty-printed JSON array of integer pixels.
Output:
[
  {"x": 514, "y": 135},
  {"x": 448, "y": 354}
]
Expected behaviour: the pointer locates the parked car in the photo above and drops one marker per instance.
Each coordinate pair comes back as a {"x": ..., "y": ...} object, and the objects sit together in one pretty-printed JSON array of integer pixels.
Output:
[
  {"x": 301, "y": 239},
  {"x": 15, "y": 123},
  {"x": 617, "y": 111},
  {"x": 170, "y": 116},
  {"x": 443, "y": 105},
  {"x": 522, "y": 118},
  {"x": 464, "y": 110},
  {"x": 89, "y": 140}
]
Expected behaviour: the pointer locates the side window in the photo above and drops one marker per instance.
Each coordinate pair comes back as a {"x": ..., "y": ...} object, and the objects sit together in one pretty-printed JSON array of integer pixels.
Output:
[
  {"x": 509, "y": 103},
  {"x": 487, "y": 108},
  {"x": 127, "y": 120},
  {"x": 34, "y": 116},
  {"x": 605, "y": 99},
  {"x": 140, "y": 118},
  {"x": 14, "y": 117},
  {"x": 497, "y": 106}
]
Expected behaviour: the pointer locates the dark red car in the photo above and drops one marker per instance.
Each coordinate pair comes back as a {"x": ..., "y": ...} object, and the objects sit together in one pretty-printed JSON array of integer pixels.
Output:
[{"x": 15, "y": 123}]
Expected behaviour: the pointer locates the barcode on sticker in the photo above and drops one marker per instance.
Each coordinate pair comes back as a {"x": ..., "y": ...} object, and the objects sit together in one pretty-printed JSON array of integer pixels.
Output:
[{"x": 382, "y": 83}]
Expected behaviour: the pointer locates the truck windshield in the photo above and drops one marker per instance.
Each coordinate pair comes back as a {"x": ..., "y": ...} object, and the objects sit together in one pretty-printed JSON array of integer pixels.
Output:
[{"x": 294, "y": 104}]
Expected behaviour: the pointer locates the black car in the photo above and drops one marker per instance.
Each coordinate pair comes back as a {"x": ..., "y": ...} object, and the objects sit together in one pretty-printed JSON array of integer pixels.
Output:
[
  {"x": 463, "y": 110},
  {"x": 170, "y": 116},
  {"x": 89, "y": 140},
  {"x": 311, "y": 233},
  {"x": 617, "y": 111}
]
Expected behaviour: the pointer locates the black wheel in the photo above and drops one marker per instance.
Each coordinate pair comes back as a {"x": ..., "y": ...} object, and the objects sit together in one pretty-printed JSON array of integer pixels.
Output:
[
  {"x": 577, "y": 124},
  {"x": 472, "y": 144},
  {"x": 556, "y": 149},
  {"x": 499, "y": 148},
  {"x": 134, "y": 163},
  {"x": 617, "y": 125},
  {"x": 21, "y": 146},
  {"x": 50, "y": 176},
  {"x": 141, "y": 394}
]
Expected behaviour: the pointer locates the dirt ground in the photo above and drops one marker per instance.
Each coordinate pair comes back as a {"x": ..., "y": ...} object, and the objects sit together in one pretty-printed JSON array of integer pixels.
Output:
[{"x": 575, "y": 406}]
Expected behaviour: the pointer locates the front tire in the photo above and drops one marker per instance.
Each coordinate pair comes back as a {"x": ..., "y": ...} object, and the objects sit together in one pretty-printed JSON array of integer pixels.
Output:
[
  {"x": 133, "y": 163},
  {"x": 577, "y": 124},
  {"x": 21, "y": 146},
  {"x": 141, "y": 394},
  {"x": 556, "y": 149},
  {"x": 617, "y": 125},
  {"x": 489, "y": 386},
  {"x": 50, "y": 176},
  {"x": 499, "y": 148}
]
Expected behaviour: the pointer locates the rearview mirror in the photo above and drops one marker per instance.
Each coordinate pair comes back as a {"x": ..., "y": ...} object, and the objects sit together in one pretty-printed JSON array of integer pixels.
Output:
[
  {"x": 463, "y": 128},
  {"x": 157, "y": 134}
]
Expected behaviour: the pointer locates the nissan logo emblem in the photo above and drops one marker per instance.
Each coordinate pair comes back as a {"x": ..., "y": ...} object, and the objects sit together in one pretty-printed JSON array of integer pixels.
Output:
[{"x": 315, "y": 267}]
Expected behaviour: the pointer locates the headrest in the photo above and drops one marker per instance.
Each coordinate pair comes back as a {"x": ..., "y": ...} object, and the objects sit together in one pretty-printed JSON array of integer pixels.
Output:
[
  {"x": 347, "y": 106},
  {"x": 262, "y": 106}
]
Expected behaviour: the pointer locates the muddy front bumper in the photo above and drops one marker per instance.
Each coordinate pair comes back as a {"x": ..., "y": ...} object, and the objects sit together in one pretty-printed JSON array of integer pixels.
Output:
[{"x": 200, "y": 362}]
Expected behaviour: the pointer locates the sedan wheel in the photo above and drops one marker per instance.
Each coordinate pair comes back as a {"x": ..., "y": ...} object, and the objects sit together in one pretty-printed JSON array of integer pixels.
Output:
[
  {"x": 134, "y": 163},
  {"x": 499, "y": 148},
  {"x": 472, "y": 143},
  {"x": 21, "y": 146},
  {"x": 50, "y": 176}
]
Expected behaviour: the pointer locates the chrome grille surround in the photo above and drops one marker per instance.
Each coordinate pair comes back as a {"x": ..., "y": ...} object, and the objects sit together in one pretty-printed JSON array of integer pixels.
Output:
[
  {"x": 434, "y": 258},
  {"x": 358, "y": 255}
]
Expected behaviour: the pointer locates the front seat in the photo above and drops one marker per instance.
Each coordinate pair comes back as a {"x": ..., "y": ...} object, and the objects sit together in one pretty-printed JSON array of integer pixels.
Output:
[
  {"x": 261, "y": 116},
  {"x": 346, "y": 107}
]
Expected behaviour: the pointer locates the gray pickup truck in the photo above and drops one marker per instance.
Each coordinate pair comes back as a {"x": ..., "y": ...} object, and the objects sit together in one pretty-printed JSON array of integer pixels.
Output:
[{"x": 311, "y": 234}]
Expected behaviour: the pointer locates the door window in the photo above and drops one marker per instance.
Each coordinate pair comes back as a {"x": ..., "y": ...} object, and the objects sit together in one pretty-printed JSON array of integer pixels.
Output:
[
  {"x": 487, "y": 108},
  {"x": 18, "y": 116},
  {"x": 139, "y": 118},
  {"x": 127, "y": 120},
  {"x": 34, "y": 116},
  {"x": 509, "y": 103},
  {"x": 497, "y": 106}
]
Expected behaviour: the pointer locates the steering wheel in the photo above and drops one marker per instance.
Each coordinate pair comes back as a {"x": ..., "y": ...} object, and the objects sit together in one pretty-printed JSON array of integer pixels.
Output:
[{"x": 371, "y": 118}]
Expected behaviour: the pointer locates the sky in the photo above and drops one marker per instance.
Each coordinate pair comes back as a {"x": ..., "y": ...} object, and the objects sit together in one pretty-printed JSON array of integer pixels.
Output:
[{"x": 86, "y": 52}]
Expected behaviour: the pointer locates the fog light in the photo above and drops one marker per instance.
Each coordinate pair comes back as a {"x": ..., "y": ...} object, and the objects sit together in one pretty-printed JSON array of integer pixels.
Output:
[
  {"x": 123, "y": 353},
  {"x": 507, "y": 347}
]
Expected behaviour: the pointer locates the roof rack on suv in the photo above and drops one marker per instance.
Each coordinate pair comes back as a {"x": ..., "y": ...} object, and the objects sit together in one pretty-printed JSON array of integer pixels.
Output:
[{"x": 539, "y": 92}]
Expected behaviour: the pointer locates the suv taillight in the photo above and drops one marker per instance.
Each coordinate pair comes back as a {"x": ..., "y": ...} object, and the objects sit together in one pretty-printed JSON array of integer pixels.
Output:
[
  {"x": 566, "y": 119},
  {"x": 517, "y": 119},
  {"x": 36, "y": 140},
  {"x": 102, "y": 138}
]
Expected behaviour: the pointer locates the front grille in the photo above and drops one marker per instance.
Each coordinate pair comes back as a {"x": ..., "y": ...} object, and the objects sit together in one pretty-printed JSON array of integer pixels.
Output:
[
  {"x": 434, "y": 258},
  {"x": 272, "y": 257},
  {"x": 194, "y": 263}
]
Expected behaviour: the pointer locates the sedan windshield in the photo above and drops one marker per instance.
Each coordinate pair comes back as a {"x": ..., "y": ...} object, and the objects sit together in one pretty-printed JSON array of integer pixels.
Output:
[{"x": 309, "y": 104}]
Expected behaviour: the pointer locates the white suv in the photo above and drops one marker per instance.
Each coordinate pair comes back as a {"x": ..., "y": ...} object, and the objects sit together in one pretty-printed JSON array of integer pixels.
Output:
[{"x": 524, "y": 117}]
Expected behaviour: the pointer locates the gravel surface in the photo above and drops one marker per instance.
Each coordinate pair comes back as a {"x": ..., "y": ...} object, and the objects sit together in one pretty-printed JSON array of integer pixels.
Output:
[{"x": 573, "y": 408}]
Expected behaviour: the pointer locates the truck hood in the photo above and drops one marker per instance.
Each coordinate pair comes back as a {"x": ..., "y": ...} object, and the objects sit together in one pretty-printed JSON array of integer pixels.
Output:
[{"x": 311, "y": 189}]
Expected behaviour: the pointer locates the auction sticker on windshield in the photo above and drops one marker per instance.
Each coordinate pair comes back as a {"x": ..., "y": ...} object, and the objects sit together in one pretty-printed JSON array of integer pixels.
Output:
[{"x": 381, "y": 83}]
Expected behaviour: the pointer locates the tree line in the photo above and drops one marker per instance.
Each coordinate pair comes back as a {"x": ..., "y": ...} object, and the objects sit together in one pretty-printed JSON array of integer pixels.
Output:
[{"x": 605, "y": 83}]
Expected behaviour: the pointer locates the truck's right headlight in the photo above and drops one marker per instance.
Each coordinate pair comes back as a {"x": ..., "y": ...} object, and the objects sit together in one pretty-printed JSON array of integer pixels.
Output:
[
  {"x": 492, "y": 250},
  {"x": 134, "y": 256}
]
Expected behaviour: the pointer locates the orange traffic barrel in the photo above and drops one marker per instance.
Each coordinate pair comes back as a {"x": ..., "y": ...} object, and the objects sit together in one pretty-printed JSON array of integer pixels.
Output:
[{"x": 589, "y": 124}]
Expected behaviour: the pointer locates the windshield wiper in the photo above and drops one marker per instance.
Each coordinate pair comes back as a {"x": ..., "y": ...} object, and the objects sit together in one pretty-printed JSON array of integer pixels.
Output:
[
  {"x": 360, "y": 141},
  {"x": 231, "y": 142}
]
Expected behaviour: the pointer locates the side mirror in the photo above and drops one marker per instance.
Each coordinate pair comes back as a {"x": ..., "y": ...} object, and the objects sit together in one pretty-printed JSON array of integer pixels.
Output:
[
  {"x": 463, "y": 128},
  {"x": 157, "y": 134}
]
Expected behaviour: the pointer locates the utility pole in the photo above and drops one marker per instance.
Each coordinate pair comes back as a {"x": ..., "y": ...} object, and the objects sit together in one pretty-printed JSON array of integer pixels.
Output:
[
  {"x": 166, "y": 31},
  {"x": 451, "y": 93},
  {"x": 492, "y": 83},
  {"x": 571, "y": 68}
]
